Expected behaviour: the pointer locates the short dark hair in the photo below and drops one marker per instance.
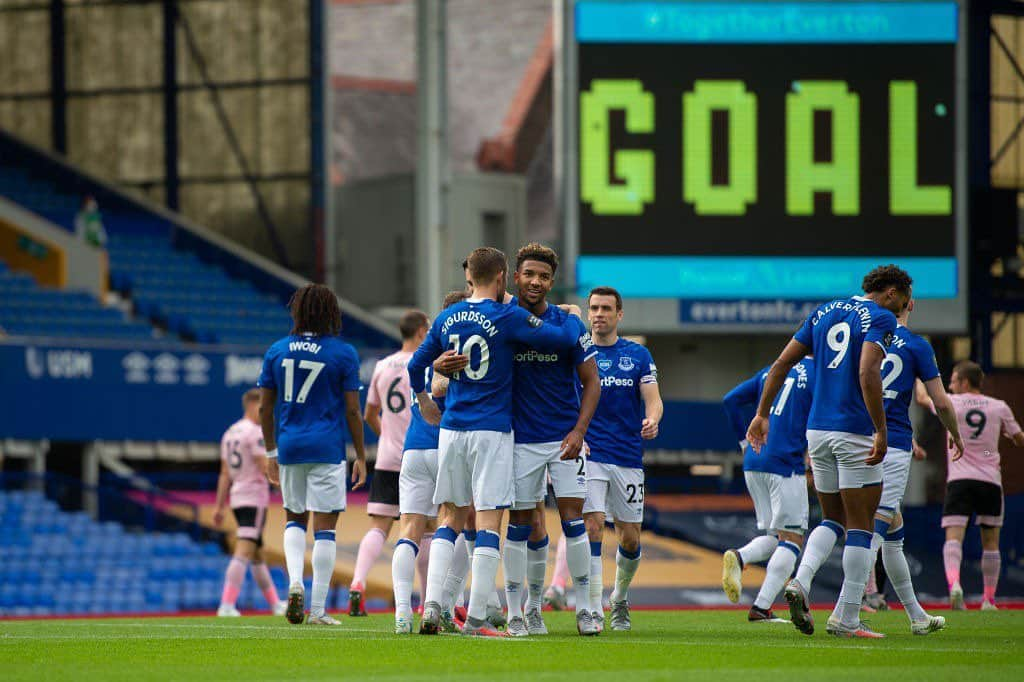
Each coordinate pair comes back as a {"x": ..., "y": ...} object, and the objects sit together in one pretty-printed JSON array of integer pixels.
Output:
[
  {"x": 606, "y": 291},
  {"x": 885, "y": 276},
  {"x": 453, "y": 297},
  {"x": 411, "y": 322},
  {"x": 970, "y": 372},
  {"x": 538, "y": 252},
  {"x": 315, "y": 310},
  {"x": 486, "y": 263},
  {"x": 249, "y": 397}
]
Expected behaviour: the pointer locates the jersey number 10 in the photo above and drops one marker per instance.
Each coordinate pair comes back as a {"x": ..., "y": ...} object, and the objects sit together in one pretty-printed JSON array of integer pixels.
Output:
[{"x": 485, "y": 355}]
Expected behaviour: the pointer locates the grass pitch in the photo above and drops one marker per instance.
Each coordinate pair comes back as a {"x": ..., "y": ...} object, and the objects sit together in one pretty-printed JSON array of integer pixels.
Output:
[{"x": 664, "y": 645}]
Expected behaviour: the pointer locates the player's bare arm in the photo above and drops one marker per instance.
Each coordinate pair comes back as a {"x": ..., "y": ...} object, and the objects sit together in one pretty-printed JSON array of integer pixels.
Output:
[
  {"x": 428, "y": 408},
  {"x": 921, "y": 396},
  {"x": 355, "y": 429},
  {"x": 1018, "y": 439},
  {"x": 268, "y": 396},
  {"x": 942, "y": 406},
  {"x": 571, "y": 308},
  {"x": 654, "y": 409},
  {"x": 223, "y": 485},
  {"x": 757, "y": 432},
  {"x": 449, "y": 363},
  {"x": 871, "y": 358},
  {"x": 372, "y": 417},
  {"x": 591, "y": 381}
]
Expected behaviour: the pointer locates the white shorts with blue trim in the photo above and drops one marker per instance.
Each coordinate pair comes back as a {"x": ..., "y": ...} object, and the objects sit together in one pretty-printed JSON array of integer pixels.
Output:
[
  {"x": 895, "y": 473},
  {"x": 532, "y": 462},
  {"x": 417, "y": 481},
  {"x": 475, "y": 467},
  {"x": 313, "y": 487},
  {"x": 615, "y": 491},
  {"x": 837, "y": 460},
  {"x": 780, "y": 502}
]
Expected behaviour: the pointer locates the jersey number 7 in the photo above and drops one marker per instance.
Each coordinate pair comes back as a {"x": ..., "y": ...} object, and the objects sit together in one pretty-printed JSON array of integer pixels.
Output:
[{"x": 289, "y": 378}]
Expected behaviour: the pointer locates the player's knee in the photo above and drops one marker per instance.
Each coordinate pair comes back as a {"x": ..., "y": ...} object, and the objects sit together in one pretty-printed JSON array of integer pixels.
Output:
[
  {"x": 629, "y": 536},
  {"x": 595, "y": 526}
]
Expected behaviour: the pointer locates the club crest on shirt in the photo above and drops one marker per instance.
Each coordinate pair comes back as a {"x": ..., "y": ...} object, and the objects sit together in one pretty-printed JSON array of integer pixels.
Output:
[
  {"x": 887, "y": 341},
  {"x": 534, "y": 321},
  {"x": 625, "y": 363},
  {"x": 604, "y": 364}
]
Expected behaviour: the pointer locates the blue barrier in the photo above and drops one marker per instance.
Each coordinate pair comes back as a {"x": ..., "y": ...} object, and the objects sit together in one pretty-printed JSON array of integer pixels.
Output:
[{"x": 79, "y": 392}]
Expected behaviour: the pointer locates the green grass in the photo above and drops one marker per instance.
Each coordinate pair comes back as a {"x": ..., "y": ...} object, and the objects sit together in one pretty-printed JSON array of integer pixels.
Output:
[{"x": 714, "y": 645}]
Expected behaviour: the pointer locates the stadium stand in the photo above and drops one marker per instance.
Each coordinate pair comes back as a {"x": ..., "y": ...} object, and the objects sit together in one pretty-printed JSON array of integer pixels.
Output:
[
  {"x": 177, "y": 275},
  {"x": 27, "y": 309},
  {"x": 58, "y": 562}
]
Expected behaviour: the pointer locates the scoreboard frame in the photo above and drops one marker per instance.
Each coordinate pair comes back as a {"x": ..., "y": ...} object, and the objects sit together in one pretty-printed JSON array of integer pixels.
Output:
[{"x": 663, "y": 303}]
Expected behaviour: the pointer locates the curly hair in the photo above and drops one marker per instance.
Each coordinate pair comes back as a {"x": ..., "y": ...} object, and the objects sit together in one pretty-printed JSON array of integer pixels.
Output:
[
  {"x": 885, "y": 276},
  {"x": 315, "y": 310},
  {"x": 538, "y": 252}
]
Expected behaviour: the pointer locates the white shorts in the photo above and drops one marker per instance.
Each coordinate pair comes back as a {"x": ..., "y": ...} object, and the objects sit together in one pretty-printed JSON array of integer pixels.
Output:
[
  {"x": 531, "y": 463},
  {"x": 417, "y": 481},
  {"x": 895, "y": 472},
  {"x": 313, "y": 487},
  {"x": 837, "y": 460},
  {"x": 780, "y": 502},
  {"x": 617, "y": 492},
  {"x": 475, "y": 467}
]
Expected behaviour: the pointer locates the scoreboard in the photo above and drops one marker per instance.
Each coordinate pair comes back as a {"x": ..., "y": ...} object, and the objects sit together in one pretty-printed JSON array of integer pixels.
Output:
[{"x": 766, "y": 151}]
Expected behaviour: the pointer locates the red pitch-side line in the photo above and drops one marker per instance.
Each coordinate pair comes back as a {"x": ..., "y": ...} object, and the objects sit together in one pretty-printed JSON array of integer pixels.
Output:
[{"x": 1014, "y": 605}]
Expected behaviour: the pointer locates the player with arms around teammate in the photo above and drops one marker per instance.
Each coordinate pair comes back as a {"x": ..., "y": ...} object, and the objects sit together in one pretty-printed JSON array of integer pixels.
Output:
[
  {"x": 388, "y": 414},
  {"x": 776, "y": 480},
  {"x": 243, "y": 462},
  {"x": 847, "y": 436},
  {"x": 550, "y": 420},
  {"x": 974, "y": 481},
  {"x": 475, "y": 444},
  {"x": 628, "y": 413},
  {"x": 309, "y": 384}
]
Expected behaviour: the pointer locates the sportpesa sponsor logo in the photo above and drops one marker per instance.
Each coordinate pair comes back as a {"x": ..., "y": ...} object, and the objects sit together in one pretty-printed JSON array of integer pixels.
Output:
[
  {"x": 615, "y": 381},
  {"x": 534, "y": 356}
]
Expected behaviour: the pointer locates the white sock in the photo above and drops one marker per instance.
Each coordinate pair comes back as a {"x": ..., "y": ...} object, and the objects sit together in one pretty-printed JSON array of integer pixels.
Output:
[
  {"x": 758, "y": 549},
  {"x": 294, "y": 551},
  {"x": 514, "y": 562},
  {"x": 895, "y": 562},
  {"x": 780, "y": 567},
  {"x": 325, "y": 553},
  {"x": 819, "y": 545},
  {"x": 857, "y": 561},
  {"x": 458, "y": 570},
  {"x": 403, "y": 573},
  {"x": 577, "y": 557},
  {"x": 536, "y": 572},
  {"x": 596, "y": 579},
  {"x": 626, "y": 563},
  {"x": 442, "y": 547},
  {"x": 485, "y": 569}
]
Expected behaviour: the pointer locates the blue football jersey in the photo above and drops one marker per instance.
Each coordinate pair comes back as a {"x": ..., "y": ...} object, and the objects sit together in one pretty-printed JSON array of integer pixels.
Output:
[
  {"x": 545, "y": 396},
  {"x": 480, "y": 397},
  {"x": 909, "y": 358},
  {"x": 311, "y": 375},
  {"x": 614, "y": 433},
  {"x": 783, "y": 454},
  {"x": 420, "y": 435},
  {"x": 835, "y": 333}
]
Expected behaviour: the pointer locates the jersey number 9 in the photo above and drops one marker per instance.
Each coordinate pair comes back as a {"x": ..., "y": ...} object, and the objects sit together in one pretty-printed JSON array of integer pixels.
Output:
[{"x": 838, "y": 339}]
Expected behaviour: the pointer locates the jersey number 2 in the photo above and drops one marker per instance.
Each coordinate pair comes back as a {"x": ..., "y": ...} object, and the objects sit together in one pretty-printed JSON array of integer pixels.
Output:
[{"x": 289, "y": 378}]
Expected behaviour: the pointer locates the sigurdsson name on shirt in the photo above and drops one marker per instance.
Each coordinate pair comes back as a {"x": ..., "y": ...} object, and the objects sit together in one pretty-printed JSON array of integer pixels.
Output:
[{"x": 474, "y": 316}]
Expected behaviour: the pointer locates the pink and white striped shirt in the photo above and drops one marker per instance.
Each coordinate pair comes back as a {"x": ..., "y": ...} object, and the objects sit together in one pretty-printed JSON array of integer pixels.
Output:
[
  {"x": 982, "y": 419},
  {"x": 239, "y": 447}
]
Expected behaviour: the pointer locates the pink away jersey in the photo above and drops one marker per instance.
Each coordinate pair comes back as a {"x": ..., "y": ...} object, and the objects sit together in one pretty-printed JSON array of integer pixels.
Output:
[
  {"x": 389, "y": 388},
  {"x": 239, "y": 447},
  {"x": 981, "y": 419}
]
